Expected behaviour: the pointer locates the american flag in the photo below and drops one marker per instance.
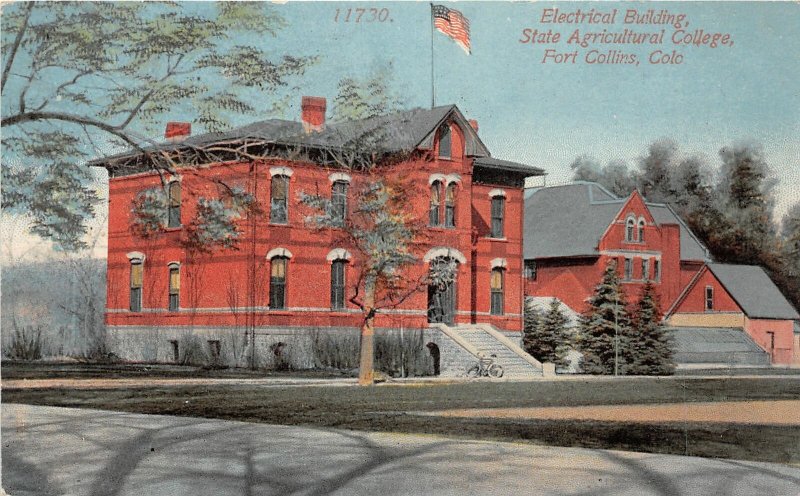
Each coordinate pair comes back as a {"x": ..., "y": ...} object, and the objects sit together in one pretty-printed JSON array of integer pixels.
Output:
[{"x": 452, "y": 23}]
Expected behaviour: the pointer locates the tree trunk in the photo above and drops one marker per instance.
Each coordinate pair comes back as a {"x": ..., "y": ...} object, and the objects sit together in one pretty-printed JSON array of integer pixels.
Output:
[
  {"x": 366, "y": 364},
  {"x": 366, "y": 374}
]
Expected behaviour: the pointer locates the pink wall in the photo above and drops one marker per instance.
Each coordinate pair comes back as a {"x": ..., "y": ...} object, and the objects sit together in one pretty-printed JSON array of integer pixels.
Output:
[{"x": 783, "y": 331}]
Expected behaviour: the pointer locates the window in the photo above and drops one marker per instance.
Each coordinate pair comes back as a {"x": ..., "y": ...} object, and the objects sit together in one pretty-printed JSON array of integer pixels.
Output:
[
  {"x": 450, "y": 205},
  {"x": 174, "y": 287},
  {"x": 657, "y": 270},
  {"x": 339, "y": 201},
  {"x": 497, "y": 292},
  {"x": 645, "y": 269},
  {"x": 175, "y": 350},
  {"x": 445, "y": 142},
  {"x": 137, "y": 273},
  {"x": 628, "y": 269},
  {"x": 498, "y": 211},
  {"x": 709, "y": 298},
  {"x": 174, "y": 205},
  {"x": 277, "y": 283},
  {"x": 629, "y": 225},
  {"x": 436, "y": 191},
  {"x": 530, "y": 270},
  {"x": 337, "y": 284},
  {"x": 279, "y": 194},
  {"x": 641, "y": 230}
]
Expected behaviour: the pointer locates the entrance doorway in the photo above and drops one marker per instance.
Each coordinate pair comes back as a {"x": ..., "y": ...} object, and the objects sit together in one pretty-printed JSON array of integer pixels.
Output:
[{"x": 441, "y": 295}]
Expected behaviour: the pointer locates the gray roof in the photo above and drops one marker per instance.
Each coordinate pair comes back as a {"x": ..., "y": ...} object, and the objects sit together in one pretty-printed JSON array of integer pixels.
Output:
[
  {"x": 754, "y": 291},
  {"x": 494, "y": 163},
  {"x": 715, "y": 347},
  {"x": 569, "y": 220},
  {"x": 396, "y": 132},
  {"x": 691, "y": 247}
]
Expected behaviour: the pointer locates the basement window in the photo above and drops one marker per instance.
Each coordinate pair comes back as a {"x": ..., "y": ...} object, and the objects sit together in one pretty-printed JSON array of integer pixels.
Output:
[{"x": 175, "y": 350}]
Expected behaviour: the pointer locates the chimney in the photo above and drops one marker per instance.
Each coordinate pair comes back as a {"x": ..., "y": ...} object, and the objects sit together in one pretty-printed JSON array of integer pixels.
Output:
[
  {"x": 313, "y": 113},
  {"x": 474, "y": 124},
  {"x": 178, "y": 131}
]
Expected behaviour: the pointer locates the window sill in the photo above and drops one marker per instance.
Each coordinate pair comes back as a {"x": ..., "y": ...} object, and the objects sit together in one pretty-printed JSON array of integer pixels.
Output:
[
  {"x": 500, "y": 240},
  {"x": 173, "y": 229},
  {"x": 279, "y": 224}
]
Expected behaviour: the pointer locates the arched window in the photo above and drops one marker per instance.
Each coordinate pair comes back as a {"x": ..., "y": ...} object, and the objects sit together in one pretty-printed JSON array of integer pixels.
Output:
[
  {"x": 277, "y": 282},
  {"x": 498, "y": 215},
  {"x": 279, "y": 195},
  {"x": 339, "y": 201},
  {"x": 630, "y": 224},
  {"x": 338, "y": 284},
  {"x": 174, "y": 287},
  {"x": 137, "y": 276},
  {"x": 641, "y": 230},
  {"x": 445, "y": 142},
  {"x": 174, "y": 204},
  {"x": 450, "y": 205},
  {"x": 436, "y": 194},
  {"x": 496, "y": 287}
]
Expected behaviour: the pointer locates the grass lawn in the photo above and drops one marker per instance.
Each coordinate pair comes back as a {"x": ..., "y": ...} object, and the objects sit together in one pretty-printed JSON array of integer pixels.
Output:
[
  {"x": 80, "y": 370},
  {"x": 387, "y": 408}
]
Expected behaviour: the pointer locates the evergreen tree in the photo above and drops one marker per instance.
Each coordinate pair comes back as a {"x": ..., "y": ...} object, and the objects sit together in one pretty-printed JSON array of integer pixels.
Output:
[
  {"x": 605, "y": 328},
  {"x": 656, "y": 170},
  {"x": 649, "y": 347},
  {"x": 547, "y": 339},
  {"x": 530, "y": 324}
]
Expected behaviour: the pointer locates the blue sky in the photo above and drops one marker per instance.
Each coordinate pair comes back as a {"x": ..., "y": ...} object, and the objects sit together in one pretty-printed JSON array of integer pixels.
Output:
[{"x": 547, "y": 114}]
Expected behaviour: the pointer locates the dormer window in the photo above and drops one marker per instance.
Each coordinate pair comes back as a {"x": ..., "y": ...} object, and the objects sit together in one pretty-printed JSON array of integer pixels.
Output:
[
  {"x": 630, "y": 226},
  {"x": 641, "y": 230},
  {"x": 445, "y": 142}
]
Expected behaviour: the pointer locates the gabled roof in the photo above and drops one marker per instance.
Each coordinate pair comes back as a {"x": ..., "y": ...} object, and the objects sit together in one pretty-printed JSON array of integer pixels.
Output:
[
  {"x": 691, "y": 247},
  {"x": 397, "y": 132},
  {"x": 754, "y": 291},
  {"x": 567, "y": 221},
  {"x": 570, "y": 220}
]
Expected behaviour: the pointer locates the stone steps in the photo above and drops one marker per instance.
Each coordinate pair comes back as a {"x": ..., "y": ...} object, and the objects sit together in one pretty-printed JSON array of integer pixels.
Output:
[{"x": 514, "y": 366}]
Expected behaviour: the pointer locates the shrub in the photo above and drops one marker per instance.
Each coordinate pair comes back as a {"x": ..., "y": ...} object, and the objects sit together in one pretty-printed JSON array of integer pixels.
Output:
[
  {"x": 26, "y": 343},
  {"x": 402, "y": 355},
  {"x": 336, "y": 349},
  {"x": 192, "y": 351}
]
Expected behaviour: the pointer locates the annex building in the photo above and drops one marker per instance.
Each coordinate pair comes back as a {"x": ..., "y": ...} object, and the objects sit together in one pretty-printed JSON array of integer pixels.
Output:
[
  {"x": 720, "y": 314},
  {"x": 287, "y": 281}
]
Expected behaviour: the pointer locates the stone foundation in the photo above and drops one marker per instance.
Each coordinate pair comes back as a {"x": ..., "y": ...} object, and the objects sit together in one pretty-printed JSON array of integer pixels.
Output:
[{"x": 276, "y": 348}]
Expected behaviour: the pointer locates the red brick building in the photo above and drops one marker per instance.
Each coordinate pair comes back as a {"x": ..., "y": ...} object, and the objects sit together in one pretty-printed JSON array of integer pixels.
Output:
[
  {"x": 572, "y": 231},
  {"x": 285, "y": 277}
]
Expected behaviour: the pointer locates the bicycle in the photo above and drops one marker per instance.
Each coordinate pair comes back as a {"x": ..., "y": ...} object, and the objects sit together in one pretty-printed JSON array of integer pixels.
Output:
[{"x": 485, "y": 368}]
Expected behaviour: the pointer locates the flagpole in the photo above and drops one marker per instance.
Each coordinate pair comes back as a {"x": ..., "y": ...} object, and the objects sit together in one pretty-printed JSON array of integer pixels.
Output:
[{"x": 433, "y": 85}]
